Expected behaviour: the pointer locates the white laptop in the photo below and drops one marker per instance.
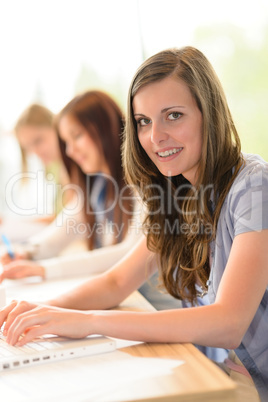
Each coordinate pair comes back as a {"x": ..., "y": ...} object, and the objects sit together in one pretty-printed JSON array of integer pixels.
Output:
[{"x": 51, "y": 348}]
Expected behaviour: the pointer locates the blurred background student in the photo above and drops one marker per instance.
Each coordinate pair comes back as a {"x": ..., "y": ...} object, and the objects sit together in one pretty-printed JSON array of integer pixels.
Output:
[
  {"x": 89, "y": 138},
  {"x": 36, "y": 135}
]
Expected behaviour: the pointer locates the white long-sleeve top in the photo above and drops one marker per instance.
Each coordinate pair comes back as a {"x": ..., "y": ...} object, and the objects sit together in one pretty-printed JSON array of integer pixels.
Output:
[
  {"x": 94, "y": 261},
  {"x": 64, "y": 230},
  {"x": 68, "y": 227}
]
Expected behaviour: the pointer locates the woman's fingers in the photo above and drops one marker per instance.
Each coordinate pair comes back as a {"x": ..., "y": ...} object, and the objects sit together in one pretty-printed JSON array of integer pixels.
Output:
[
  {"x": 20, "y": 269},
  {"x": 4, "y": 312},
  {"x": 29, "y": 325},
  {"x": 38, "y": 321},
  {"x": 32, "y": 333},
  {"x": 52, "y": 320},
  {"x": 25, "y": 321},
  {"x": 12, "y": 271},
  {"x": 18, "y": 309},
  {"x": 6, "y": 259}
]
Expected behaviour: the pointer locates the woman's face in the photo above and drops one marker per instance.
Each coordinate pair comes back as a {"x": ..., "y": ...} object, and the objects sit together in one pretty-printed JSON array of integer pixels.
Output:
[
  {"x": 169, "y": 126},
  {"x": 41, "y": 141},
  {"x": 80, "y": 146}
]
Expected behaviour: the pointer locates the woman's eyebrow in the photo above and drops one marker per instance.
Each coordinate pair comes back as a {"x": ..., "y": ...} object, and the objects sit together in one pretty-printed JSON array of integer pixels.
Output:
[
  {"x": 171, "y": 107},
  {"x": 162, "y": 111},
  {"x": 139, "y": 114}
]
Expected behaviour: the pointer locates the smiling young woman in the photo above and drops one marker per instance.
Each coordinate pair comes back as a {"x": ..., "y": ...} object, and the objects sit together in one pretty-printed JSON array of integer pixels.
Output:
[{"x": 181, "y": 142}]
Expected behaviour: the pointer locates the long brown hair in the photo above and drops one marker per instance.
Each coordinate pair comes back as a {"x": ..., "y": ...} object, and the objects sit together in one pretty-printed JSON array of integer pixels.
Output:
[
  {"x": 103, "y": 121},
  {"x": 186, "y": 219}
]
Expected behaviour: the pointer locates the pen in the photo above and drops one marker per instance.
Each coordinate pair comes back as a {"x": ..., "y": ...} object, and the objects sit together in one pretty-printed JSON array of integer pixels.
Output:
[{"x": 8, "y": 246}]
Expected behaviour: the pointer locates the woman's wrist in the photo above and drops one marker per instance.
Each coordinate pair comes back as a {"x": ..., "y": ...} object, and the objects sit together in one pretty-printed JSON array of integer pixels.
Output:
[
  {"x": 30, "y": 251},
  {"x": 94, "y": 322},
  {"x": 39, "y": 271}
]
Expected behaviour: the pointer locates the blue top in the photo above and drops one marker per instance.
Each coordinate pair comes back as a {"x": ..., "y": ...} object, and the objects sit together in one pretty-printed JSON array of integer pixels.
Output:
[
  {"x": 103, "y": 226},
  {"x": 245, "y": 209}
]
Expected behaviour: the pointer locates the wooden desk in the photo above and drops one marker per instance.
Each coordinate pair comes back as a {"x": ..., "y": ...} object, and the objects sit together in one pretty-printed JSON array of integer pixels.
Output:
[{"x": 197, "y": 379}]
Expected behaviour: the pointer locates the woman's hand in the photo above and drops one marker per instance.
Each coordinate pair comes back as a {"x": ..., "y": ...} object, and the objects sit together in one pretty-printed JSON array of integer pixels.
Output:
[
  {"x": 6, "y": 259},
  {"x": 20, "y": 269},
  {"x": 25, "y": 321},
  {"x": 9, "y": 312}
]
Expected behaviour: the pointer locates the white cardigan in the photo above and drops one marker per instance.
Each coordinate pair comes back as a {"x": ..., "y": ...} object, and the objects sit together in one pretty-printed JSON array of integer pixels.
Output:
[{"x": 46, "y": 246}]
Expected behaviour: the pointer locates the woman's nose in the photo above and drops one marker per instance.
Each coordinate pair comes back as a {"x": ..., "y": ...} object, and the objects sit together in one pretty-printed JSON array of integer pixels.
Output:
[
  {"x": 69, "y": 149},
  {"x": 36, "y": 150},
  {"x": 158, "y": 133}
]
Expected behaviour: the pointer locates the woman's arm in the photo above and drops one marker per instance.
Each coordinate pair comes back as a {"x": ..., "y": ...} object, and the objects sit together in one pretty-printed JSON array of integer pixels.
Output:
[
  {"x": 101, "y": 292},
  {"x": 110, "y": 288},
  {"x": 222, "y": 324}
]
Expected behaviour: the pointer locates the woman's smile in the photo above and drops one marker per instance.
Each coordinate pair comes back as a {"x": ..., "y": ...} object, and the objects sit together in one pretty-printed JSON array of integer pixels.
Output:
[{"x": 169, "y": 154}]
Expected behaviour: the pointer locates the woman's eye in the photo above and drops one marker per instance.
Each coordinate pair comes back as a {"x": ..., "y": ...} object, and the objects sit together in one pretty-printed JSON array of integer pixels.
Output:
[
  {"x": 78, "y": 135},
  {"x": 144, "y": 122},
  {"x": 174, "y": 116},
  {"x": 37, "y": 141}
]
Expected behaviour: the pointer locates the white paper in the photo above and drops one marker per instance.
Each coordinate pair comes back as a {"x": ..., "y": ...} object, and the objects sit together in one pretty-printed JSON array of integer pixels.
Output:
[{"x": 94, "y": 378}]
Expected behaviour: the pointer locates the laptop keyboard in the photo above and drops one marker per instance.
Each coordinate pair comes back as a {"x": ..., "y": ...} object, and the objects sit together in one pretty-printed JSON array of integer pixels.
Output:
[
  {"x": 49, "y": 348},
  {"x": 7, "y": 350}
]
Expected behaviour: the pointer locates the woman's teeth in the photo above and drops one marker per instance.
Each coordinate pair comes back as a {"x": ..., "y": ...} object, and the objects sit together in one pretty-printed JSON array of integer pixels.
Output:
[{"x": 169, "y": 152}]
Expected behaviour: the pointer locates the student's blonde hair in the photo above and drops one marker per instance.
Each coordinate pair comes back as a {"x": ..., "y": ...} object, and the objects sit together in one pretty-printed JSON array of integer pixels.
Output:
[{"x": 34, "y": 115}]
